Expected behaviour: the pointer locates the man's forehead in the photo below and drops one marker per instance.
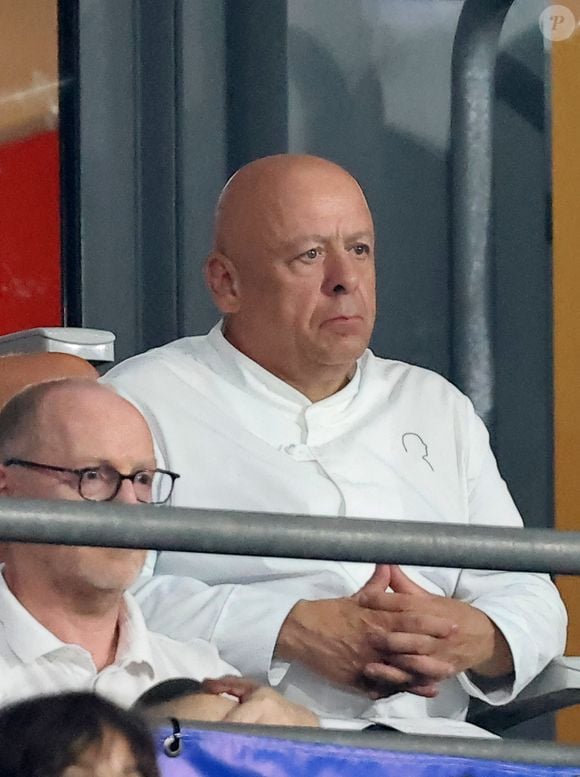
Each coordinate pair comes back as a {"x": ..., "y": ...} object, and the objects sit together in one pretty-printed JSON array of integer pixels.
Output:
[
  {"x": 308, "y": 186},
  {"x": 93, "y": 425},
  {"x": 89, "y": 401},
  {"x": 285, "y": 200},
  {"x": 296, "y": 217}
]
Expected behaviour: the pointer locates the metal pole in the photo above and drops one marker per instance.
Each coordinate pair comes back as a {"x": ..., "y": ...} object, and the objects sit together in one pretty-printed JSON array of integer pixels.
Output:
[
  {"x": 290, "y": 536},
  {"x": 472, "y": 96}
]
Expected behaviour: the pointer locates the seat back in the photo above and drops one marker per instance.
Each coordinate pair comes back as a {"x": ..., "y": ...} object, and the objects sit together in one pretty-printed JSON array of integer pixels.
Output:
[{"x": 18, "y": 370}]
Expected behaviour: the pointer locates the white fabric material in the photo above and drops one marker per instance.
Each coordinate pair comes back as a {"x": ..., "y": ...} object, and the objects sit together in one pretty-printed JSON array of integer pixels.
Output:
[
  {"x": 398, "y": 442},
  {"x": 33, "y": 661},
  {"x": 424, "y": 726}
]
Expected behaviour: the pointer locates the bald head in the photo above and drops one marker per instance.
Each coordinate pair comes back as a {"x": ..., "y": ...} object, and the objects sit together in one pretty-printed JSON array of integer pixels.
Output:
[
  {"x": 292, "y": 269},
  {"x": 263, "y": 189},
  {"x": 44, "y": 414}
]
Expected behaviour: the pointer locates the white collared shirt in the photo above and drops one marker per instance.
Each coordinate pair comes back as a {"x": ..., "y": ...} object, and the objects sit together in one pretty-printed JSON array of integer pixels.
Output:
[
  {"x": 397, "y": 442},
  {"x": 33, "y": 661}
]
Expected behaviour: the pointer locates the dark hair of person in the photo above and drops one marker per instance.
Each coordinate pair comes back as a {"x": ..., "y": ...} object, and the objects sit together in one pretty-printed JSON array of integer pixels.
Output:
[
  {"x": 168, "y": 690},
  {"x": 41, "y": 737}
]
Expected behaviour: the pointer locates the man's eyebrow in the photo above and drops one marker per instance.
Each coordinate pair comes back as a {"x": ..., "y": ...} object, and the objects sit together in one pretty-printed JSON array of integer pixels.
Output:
[
  {"x": 364, "y": 235},
  {"x": 303, "y": 240},
  {"x": 108, "y": 463}
]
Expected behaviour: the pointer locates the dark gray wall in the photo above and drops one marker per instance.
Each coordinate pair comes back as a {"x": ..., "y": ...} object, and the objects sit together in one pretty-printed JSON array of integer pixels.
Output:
[{"x": 202, "y": 150}]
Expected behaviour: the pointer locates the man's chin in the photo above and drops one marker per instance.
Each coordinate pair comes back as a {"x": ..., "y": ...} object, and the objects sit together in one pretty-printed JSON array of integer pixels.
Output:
[
  {"x": 117, "y": 569},
  {"x": 344, "y": 350},
  {"x": 111, "y": 581}
]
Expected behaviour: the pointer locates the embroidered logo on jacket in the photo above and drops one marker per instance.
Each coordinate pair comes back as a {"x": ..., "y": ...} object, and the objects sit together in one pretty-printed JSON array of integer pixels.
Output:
[{"x": 415, "y": 446}]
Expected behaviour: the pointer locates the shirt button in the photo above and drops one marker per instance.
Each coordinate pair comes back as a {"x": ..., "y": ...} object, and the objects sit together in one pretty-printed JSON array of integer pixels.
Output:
[{"x": 300, "y": 452}]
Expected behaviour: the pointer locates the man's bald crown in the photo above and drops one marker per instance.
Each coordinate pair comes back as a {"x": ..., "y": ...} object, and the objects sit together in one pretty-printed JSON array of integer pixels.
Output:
[
  {"x": 255, "y": 189},
  {"x": 20, "y": 416}
]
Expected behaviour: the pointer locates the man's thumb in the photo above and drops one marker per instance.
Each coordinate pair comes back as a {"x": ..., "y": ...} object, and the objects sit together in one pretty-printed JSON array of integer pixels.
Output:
[
  {"x": 401, "y": 584},
  {"x": 378, "y": 581}
]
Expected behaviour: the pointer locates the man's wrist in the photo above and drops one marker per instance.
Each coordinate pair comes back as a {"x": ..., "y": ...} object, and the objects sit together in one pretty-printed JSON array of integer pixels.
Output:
[
  {"x": 499, "y": 664},
  {"x": 288, "y": 642}
]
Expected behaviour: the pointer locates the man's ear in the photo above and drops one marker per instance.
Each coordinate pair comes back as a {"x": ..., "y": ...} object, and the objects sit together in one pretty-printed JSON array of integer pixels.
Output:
[{"x": 222, "y": 278}]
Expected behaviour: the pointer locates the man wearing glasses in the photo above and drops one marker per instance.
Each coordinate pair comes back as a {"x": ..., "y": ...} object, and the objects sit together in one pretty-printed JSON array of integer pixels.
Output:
[{"x": 66, "y": 619}]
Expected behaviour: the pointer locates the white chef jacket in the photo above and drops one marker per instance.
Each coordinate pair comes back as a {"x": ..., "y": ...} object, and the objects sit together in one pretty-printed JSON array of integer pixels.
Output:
[
  {"x": 33, "y": 661},
  {"x": 397, "y": 442}
]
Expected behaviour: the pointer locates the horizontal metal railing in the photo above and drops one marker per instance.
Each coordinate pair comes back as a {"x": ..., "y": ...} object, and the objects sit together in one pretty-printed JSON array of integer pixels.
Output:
[
  {"x": 290, "y": 536},
  {"x": 315, "y": 537}
]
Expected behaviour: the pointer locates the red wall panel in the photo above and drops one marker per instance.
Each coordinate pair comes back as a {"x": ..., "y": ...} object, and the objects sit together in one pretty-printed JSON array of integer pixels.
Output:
[{"x": 30, "y": 268}]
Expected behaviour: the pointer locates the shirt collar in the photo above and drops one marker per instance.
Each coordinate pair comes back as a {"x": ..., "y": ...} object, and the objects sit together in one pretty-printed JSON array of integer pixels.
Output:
[
  {"x": 134, "y": 642},
  {"x": 246, "y": 373},
  {"x": 30, "y": 640}
]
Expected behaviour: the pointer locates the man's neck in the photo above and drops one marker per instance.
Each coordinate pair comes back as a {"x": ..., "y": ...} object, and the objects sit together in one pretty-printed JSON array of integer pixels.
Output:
[
  {"x": 316, "y": 382},
  {"x": 89, "y": 619},
  {"x": 321, "y": 388}
]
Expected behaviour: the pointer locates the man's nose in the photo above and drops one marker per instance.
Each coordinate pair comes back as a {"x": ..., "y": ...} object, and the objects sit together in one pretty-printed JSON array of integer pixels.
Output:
[
  {"x": 341, "y": 273},
  {"x": 126, "y": 493}
]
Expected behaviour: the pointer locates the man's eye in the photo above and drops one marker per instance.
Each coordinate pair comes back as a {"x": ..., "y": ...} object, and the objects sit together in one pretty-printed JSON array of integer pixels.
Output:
[
  {"x": 361, "y": 248},
  {"x": 99, "y": 475},
  {"x": 311, "y": 254},
  {"x": 144, "y": 478},
  {"x": 92, "y": 474}
]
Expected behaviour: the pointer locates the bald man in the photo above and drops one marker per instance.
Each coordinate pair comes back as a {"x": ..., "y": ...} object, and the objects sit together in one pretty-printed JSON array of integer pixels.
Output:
[
  {"x": 66, "y": 621},
  {"x": 282, "y": 407}
]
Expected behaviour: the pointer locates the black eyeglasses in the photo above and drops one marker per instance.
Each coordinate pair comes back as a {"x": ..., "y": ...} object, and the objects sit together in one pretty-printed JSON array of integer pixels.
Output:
[{"x": 102, "y": 483}]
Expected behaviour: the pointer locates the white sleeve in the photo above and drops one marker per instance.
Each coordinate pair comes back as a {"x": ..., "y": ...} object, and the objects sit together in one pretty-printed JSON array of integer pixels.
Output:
[
  {"x": 247, "y": 629},
  {"x": 207, "y": 661},
  {"x": 185, "y": 608},
  {"x": 526, "y": 607},
  {"x": 180, "y": 607},
  {"x": 528, "y": 611},
  {"x": 242, "y": 620}
]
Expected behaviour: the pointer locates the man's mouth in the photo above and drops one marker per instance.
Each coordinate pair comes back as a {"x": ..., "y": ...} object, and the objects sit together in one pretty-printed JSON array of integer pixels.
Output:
[{"x": 343, "y": 319}]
